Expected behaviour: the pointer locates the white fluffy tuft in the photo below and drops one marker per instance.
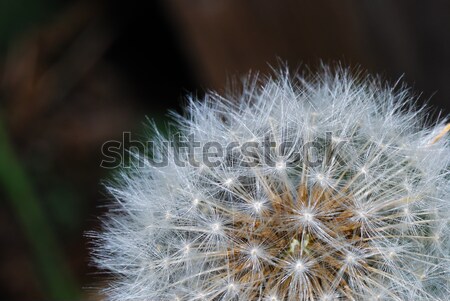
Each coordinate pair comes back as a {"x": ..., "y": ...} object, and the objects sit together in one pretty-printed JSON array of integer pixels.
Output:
[{"x": 370, "y": 222}]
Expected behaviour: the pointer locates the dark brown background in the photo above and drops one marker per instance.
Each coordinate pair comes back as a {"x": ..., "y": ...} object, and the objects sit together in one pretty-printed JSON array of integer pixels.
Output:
[{"x": 74, "y": 74}]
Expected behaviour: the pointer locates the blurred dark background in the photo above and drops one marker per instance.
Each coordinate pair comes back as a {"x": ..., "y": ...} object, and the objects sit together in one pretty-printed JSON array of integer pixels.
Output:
[{"x": 74, "y": 74}]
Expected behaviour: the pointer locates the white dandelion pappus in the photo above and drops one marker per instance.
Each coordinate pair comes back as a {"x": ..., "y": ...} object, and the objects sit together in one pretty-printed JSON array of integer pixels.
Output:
[{"x": 368, "y": 221}]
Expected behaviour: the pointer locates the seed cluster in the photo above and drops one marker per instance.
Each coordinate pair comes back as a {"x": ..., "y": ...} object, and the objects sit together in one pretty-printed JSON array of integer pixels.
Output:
[{"x": 369, "y": 220}]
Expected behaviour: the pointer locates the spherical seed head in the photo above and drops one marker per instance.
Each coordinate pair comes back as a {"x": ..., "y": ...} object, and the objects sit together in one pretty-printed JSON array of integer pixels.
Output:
[{"x": 350, "y": 201}]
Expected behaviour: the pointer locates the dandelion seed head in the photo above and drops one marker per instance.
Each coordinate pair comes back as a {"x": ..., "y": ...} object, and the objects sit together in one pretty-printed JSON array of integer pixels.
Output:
[{"x": 354, "y": 206}]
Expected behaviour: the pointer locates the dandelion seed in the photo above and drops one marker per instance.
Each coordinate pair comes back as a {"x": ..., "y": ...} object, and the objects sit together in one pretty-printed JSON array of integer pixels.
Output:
[
  {"x": 258, "y": 206},
  {"x": 216, "y": 227},
  {"x": 280, "y": 166},
  {"x": 228, "y": 182}
]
